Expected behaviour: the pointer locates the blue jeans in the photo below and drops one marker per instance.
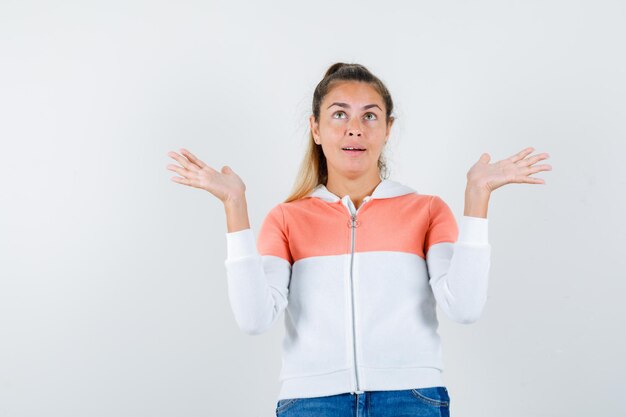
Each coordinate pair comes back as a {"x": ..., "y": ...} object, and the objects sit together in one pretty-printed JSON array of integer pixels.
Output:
[{"x": 417, "y": 402}]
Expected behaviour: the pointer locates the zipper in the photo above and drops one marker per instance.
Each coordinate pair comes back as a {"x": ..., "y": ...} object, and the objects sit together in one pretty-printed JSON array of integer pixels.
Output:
[{"x": 353, "y": 225}]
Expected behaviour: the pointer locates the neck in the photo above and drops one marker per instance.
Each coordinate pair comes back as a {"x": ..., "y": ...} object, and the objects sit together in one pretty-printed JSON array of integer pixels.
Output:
[{"x": 357, "y": 188}]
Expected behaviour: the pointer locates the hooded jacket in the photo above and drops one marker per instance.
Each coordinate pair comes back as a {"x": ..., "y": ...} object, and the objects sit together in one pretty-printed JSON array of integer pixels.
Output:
[{"x": 359, "y": 287}]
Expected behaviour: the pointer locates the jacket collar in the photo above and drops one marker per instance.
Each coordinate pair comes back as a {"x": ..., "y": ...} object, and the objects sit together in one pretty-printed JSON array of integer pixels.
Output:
[{"x": 385, "y": 189}]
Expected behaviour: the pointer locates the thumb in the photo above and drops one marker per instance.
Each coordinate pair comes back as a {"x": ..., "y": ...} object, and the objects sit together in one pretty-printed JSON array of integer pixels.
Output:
[
  {"x": 485, "y": 158},
  {"x": 226, "y": 169}
]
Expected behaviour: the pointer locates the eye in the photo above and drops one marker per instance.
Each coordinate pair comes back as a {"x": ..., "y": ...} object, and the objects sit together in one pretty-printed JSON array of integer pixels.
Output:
[
  {"x": 336, "y": 113},
  {"x": 372, "y": 115}
]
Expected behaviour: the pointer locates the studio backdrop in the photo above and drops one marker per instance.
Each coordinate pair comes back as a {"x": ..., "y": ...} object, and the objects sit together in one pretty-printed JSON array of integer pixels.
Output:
[{"x": 113, "y": 290}]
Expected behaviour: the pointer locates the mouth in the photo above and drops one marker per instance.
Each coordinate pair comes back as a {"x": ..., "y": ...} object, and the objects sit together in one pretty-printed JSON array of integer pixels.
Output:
[{"x": 353, "y": 151}]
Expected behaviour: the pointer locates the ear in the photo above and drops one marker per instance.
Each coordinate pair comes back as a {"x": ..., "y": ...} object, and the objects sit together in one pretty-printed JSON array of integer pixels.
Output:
[
  {"x": 389, "y": 124},
  {"x": 314, "y": 127}
]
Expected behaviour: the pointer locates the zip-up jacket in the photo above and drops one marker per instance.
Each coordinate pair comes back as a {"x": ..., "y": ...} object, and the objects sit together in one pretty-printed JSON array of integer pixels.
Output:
[{"x": 359, "y": 287}]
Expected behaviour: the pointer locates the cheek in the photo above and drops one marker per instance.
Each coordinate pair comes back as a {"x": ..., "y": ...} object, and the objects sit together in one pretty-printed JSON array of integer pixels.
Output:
[{"x": 334, "y": 125}]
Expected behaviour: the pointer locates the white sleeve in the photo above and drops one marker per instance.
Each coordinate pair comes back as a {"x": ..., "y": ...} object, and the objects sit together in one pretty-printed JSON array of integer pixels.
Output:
[
  {"x": 258, "y": 285},
  {"x": 459, "y": 271}
]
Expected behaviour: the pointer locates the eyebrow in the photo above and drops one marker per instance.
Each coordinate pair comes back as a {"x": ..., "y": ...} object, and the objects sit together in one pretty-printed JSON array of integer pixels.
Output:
[{"x": 348, "y": 106}]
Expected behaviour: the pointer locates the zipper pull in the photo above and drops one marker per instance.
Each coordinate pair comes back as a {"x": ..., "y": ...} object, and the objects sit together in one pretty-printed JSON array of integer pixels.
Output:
[{"x": 353, "y": 222}]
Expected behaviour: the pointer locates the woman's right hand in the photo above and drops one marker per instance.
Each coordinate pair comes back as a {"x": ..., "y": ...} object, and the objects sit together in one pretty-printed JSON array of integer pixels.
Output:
[{"x": 225, "y": 185}]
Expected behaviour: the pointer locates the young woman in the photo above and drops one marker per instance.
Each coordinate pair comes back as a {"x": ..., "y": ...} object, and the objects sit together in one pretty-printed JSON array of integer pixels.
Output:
[{"x": 358, "y": 262}]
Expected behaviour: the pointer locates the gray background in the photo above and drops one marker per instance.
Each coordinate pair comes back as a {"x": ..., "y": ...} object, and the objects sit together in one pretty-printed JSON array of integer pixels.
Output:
[{"x": 113, "y": 296}]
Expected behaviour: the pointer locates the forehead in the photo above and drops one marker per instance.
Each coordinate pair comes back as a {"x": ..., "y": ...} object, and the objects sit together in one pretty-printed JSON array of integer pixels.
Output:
[{"x": 355, "y": 93}]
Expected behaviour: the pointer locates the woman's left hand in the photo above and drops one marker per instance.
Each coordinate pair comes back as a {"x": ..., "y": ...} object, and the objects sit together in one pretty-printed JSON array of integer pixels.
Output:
[{"x": 517, "y": 168}]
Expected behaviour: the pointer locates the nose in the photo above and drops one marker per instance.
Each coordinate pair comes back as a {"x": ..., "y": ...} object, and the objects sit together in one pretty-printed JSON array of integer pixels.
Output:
[{"x": 353, "y": 128}]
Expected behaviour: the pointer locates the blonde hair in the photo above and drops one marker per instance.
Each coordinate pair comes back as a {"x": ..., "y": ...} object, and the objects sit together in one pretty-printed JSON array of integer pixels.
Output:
[{"x": 313, "y": 170}]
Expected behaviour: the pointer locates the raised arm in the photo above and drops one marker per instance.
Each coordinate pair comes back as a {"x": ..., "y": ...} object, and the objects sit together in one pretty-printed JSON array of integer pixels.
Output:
[
  {"x": 484, "y": 177},
  {"x": 458, "y": 262},
  {"x": 458, "y": 266},
  {"x": 257, "y": 282}
]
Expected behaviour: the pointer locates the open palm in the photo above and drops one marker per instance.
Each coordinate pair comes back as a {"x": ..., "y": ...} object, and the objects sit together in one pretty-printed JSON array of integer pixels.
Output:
[
  {"x": 514, "y": 169},
  {"x": 225, "y": 185}
]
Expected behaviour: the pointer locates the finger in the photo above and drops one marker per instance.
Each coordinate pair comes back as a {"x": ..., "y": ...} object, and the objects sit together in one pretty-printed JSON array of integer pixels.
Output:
[
  {"x": 185, "y": 181},
  {"x": 528, "y": 180},
  {"x": 521, "y": 154},
  {"x": 543, "y": 167},
  {"x": 193, "y": 158},
  {"x": 181, "y": 171},
  {"x": 533, "y": 160},
  {"x": 533, "y": 170},
  {"x": 184, "y": 161},
  {"x": 180, "y": 180},
  {"x": 532, "y": 180}
]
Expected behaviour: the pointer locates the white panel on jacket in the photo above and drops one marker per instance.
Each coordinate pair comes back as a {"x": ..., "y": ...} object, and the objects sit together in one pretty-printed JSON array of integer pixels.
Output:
[
  {"x": 250, "y": 274},
  {"x": 459, "y": 271}
]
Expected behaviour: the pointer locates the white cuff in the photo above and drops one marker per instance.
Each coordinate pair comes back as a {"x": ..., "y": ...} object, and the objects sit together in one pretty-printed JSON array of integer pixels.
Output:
[
  {"x": 240, "y": 244},
  {"x": 474, "y": 230}
]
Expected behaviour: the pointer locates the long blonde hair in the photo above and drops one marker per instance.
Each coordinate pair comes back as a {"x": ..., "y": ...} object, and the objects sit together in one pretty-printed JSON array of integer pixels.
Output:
[{"x": 313, "y": 170}]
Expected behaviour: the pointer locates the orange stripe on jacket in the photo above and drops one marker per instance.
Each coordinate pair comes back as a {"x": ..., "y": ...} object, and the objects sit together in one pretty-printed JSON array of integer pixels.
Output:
[{"x": 314, "y": 227}]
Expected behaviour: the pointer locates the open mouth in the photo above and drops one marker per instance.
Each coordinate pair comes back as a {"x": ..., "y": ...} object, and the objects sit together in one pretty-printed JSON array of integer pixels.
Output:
[{"x": 353, "y": 150}]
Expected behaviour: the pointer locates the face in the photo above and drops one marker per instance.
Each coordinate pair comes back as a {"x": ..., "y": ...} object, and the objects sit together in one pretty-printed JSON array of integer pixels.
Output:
[{"x": 352, "y": 115}]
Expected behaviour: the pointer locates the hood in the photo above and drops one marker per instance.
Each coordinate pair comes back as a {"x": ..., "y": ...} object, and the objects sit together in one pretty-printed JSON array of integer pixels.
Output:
[{"x": 385, "y": 189}]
